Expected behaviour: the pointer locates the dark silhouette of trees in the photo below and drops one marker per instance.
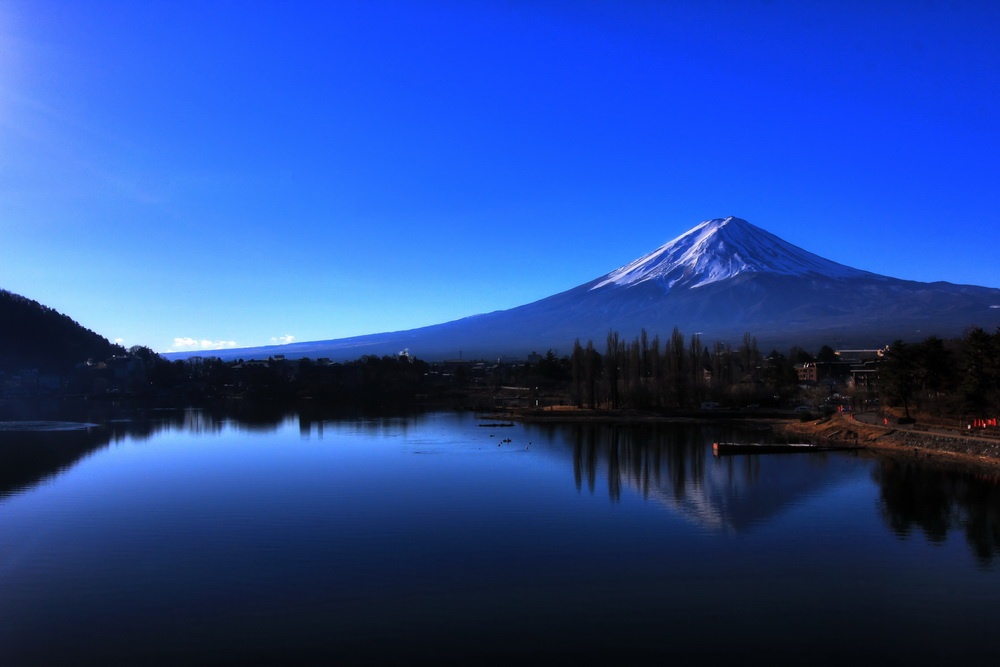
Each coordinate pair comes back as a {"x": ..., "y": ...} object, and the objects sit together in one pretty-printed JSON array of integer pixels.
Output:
[
  {"x": 552, "y": 370},
  {"x": 682, "y": 373},
  {"x": 826, "y": 355},
  {"x": 593, "y": 368},
  {"x": 696, "y": 369},
  {"x": 585, "y": 371},
  {"x": 677, "y": 370},
  {"x": 936, "y": 375},
  {"x": 33, "y": 336},
  {"x": 981, "y": 377},
  {"x": 613, "y": 358},
  {"x": 390, "y": 379},
  {"x": 897, "y": 375},
  {"x": 654, "y": 372},
  {"x": 958, "y": 376},
  {"x": 576, "y": 374}
]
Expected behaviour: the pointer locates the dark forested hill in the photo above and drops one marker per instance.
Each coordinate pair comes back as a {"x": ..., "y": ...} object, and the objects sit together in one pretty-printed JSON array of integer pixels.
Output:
[{"x": 36, "y": 336}]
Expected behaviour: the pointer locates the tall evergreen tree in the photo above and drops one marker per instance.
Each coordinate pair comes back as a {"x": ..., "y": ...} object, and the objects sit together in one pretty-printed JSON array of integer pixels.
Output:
[
  {"x": 981, "y": 376},
  {"x": 897, "y": 374}
]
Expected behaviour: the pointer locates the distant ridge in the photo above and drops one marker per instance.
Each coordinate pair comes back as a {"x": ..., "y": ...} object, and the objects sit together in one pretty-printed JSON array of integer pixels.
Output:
[{"x": 721, "y": 279}]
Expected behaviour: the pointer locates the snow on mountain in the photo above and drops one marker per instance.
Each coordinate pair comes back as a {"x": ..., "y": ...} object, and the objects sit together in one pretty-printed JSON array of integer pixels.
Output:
[
  {"x": 719, "y": 249},
  {"x": 779, "y": 293}
]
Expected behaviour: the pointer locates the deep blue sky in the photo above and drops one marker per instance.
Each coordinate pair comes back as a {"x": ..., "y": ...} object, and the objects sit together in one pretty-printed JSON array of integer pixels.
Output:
[{"x": 238, "y": 172}]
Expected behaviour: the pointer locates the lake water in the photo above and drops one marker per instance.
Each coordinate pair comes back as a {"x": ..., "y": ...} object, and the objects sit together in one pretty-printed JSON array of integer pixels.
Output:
[{"x": 184, "y": 537}]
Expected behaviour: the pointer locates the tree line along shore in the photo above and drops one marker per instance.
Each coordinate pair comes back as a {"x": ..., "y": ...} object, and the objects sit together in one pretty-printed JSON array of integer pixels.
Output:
[{"x": 934, "y": 386}]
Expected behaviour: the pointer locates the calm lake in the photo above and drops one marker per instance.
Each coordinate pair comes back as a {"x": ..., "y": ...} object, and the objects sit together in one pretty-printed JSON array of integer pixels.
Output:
[{"x": 182, "y": 537}]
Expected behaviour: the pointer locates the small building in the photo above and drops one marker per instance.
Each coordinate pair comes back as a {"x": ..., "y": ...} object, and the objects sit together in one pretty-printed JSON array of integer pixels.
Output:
[{"x": 807, "y": 372}]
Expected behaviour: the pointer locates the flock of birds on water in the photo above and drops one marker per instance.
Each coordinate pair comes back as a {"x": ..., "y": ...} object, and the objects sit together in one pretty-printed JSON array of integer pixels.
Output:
[{"x": 506, "y": 441}]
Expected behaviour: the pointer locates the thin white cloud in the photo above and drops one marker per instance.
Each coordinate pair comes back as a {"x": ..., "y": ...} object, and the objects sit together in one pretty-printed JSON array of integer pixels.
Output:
[
  {"x": 283, "y": 340},
  {"x": 186, "y": 344}
]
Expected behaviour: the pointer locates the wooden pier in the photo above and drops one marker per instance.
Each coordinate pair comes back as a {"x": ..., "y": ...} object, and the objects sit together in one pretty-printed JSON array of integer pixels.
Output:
[{"x": 730, "y": 448}]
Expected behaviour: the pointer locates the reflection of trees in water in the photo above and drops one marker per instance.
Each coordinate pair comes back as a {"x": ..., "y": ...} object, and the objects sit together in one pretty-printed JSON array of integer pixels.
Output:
[
  {"x": 672, "y": 465},
  {"x": 614, "y": 467},
  {"x": 643, "y": 457},
  {"x": 28, "y": 458},
  {"x": 937, "y": 500},
  {"x": 585, "y": 458}
]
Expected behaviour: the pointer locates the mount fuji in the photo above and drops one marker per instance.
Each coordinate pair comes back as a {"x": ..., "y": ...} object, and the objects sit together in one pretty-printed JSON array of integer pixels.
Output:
[{"x": 723, "y": 278}]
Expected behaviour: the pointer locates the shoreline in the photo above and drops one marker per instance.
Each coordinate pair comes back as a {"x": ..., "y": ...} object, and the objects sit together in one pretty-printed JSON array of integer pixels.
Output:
[
  {"x": 938, "y": 446},
  {"x": 934, "y": 446}
]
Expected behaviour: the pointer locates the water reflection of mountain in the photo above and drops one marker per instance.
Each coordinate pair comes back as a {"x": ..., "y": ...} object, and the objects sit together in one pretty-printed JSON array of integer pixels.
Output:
[
  {"x": 672, "y": 464},
  {"x": 938, "y": 500}
]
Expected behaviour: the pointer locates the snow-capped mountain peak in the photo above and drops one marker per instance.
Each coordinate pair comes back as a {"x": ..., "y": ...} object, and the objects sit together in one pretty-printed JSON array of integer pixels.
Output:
[
  {"x": 802, "y": 300},
  {"x": 719, "y": 249}
]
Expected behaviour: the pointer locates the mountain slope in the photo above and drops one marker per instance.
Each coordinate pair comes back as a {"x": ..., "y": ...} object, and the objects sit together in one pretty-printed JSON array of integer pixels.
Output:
[
  {"x": 36, "y": 336},
  {"x": 720, "y": 249},
  {"x": 721, "y": 279}
]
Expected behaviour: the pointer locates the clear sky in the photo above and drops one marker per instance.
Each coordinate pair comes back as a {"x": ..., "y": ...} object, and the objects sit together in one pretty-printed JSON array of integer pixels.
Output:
[{"x": 244, "y": 172}]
